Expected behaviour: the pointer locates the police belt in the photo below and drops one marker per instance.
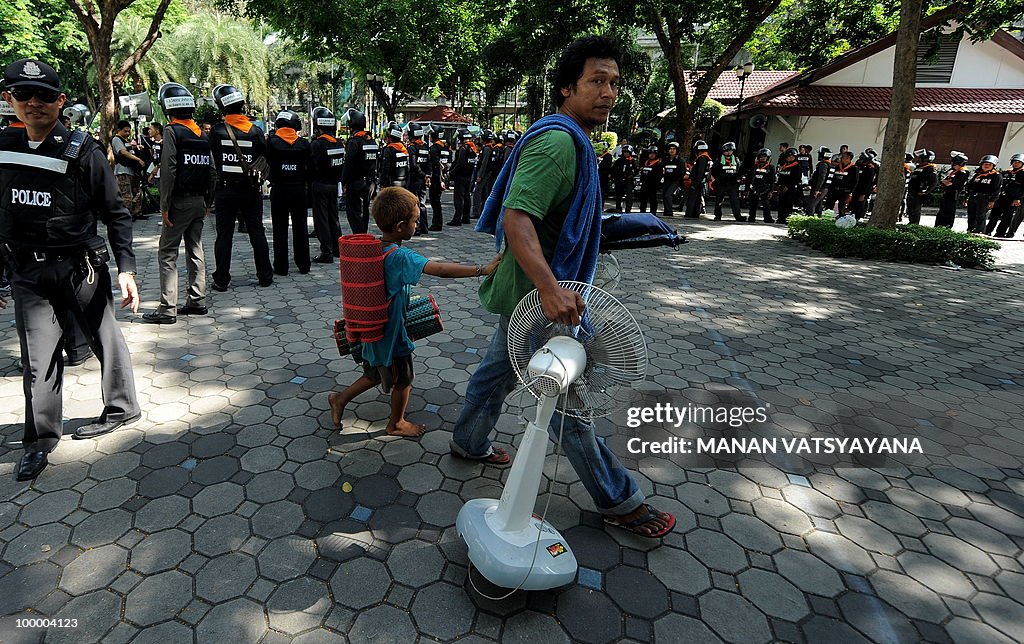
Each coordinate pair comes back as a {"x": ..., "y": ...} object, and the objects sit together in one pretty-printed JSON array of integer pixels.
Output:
[{"x": 21, "y": 256}]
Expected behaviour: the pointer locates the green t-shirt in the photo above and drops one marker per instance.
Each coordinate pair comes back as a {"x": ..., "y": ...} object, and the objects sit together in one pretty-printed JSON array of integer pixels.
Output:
[{"x": 541, "y": 186}]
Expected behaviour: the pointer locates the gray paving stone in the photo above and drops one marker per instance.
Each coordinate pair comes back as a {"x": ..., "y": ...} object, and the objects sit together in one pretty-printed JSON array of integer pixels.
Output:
[
  {"x": 161, "y": 551},
  {"x": 384, "y": 624},
  {"x": 751, "y": 533},
  {"x": 158, "y": 598},
  {"x": 443, "y": 611},
  {"x": 773, "y": 595},
  {"x": 221, "y": 534},
  {"x": 277, "y": 519},
  {"x": 317, "y": 475},
  {"x": 936, "y": 574},
  {"x": 360, "y": 583},
  {"x": 969, "y": 631},
  {"x": 529, "y": 627},
  {"x": 218, "y": 499},
  {"x": 809, "y": 573},
  {"x": 415, "y": 563},
  {"x": 263, "y": 459},
  {"x": 36, "y": 543},
  {"x": 286, "y": 558},
  {"x": 1000, "y": 613},
  {"x": 94, "y": 569},
  {"x": 101, "y": 528},
  {"x": 165, "y": 512},
  {"x": 909, "y": 597},
  {"x": 716, "y": 551},
  {"x": 239, "y": 620},
  {"x": 840, "y": 552},
  {"x": 734, "y": 618},
  {"x": 26, "y": 585},
  {"x": 97, "y": 613},
  {"x": 269, "y": 486},
  {"x": 782, "y": 516},
  {"x": 108, "y": 494},
  {"x": 225, "y": 577},
  {"x": 164, "y": 633},
  {"x": 50, "y": 507},
  {"x": 677, "y": 628},
  {"x": 298, "y": 605}
]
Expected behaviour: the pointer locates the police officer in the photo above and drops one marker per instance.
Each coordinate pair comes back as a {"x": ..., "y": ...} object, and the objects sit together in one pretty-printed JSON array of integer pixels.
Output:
[
  {"x": 238, "y": 145},
  {"x": 289, "y": 158},
  {"x": 867, "y": 180},
  {"x": 1007, "y": 206},
  {"x": 952, "y": 184},
  {"x": 327, "y": 158},
  {"x": 495, "y": 161},
  {"x": 440, "y": 157},
  {"x": 394, "y": 159},
  {"x": 844, "y": 182},
  {"x": 482, "y": 162},
  {"x": 462, "y": 176},
  {"x": 54, "y": 186},
  {"x": 762, "y": 181},
  {"x": 819, "y": 178},
  {"x": 673, "y": 168},
  {"x": 359, "y": 171},
  {"x": 982, "y": 191},
  {"x": 922, "y": 180},
  {"x": 726, "y": 173},
  {"x": 908, "y": 169},
  {"x": 699, "y": 173},
  {"x": 650, "y": 180},
  {"x": 187, "y": 182},
  {"x": 624, "y": 172},
  {"x": 419, "y": 169},
  {"x": 788, "y": 183}
]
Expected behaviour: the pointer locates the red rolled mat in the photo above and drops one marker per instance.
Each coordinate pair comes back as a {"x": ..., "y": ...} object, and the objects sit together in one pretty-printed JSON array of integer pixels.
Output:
[{"x": 364, "y": 299}]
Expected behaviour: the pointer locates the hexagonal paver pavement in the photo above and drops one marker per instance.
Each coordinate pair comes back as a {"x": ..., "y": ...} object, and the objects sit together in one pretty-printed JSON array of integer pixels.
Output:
[{"x": 234, "y": 512}]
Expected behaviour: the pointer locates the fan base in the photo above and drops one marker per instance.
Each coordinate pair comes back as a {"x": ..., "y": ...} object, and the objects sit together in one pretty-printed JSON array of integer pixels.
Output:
[{"x": 506, "y": 558}]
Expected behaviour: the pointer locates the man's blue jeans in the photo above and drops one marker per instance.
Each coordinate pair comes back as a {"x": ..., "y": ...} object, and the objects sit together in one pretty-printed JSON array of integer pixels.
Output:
[{"x": 612, "y": 487}]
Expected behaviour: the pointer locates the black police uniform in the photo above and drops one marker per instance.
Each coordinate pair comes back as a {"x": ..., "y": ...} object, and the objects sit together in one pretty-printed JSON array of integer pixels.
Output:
[
  {"x": 604, "y": 174},
  {"x": 698, "y": 179},
  {"x": 982, "y": 189},
  {"x": 239, "y": 197},
  {"x": 957, "y": 179},
  {"x": 419, "y": 170},
  {"x": 624, "y": 172},
  {"x": 462, "y": 176},
  {"x": 726, "y": 172},
  {"x": 1004, "y": 212},
  {"x": 289, "y": 175},
  {"x": 762, "y": 180},
  {"x": 327, "y": 161},
  {"x": 820, "y": 181},
  {"x": 50, "y": 200},
  {"x": 483, "y": 161},
  {"x": 394, "y": 166},
  {"x": 844, "y": 182},
  {"x": 650, "y": 182},
  {"x": 867, "y": 179},
  {"x": 788, "y": 182},
  {"x": 922, "y": 180},
  {"x": 673, "y": 169},
  {"x": 495, "y": 162},
  {"x": 440, "y": 156},
  {"x": 357, "y": 175}
]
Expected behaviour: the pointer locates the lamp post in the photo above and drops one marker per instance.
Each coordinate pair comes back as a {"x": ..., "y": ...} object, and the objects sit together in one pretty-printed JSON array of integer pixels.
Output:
[
  {"x": 373, "y": 81},
  {"x": 742, "y": 73}
]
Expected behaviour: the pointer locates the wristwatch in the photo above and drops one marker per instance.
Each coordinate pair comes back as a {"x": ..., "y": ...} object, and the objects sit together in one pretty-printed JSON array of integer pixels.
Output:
[{"x": 132, "y": 273}]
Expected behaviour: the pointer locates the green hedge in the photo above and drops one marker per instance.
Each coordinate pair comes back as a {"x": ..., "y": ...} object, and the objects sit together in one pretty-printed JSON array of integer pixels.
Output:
[{"x": 905, "y": 243}]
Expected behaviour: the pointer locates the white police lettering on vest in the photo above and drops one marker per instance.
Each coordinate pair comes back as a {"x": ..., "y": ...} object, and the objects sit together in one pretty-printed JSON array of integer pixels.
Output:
[
  {"x": 31, "y": 198},
  {"x": 197, "y": 159},
  {"x": 292, "y": 168},
  {"x": 233, "y": 158}
]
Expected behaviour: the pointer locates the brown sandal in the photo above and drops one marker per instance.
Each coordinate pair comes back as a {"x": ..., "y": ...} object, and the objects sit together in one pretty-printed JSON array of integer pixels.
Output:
[
  {"x": 496, "y": 456},
  {"x": 652, "y": 515}
]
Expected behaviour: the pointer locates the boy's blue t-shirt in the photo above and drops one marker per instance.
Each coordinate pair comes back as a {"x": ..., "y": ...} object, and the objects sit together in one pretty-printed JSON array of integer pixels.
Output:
[{"x": 402, "y": 269}]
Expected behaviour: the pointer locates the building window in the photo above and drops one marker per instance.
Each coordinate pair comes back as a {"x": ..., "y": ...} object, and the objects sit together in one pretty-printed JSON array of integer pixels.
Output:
[{"x": 936, "y": 55}]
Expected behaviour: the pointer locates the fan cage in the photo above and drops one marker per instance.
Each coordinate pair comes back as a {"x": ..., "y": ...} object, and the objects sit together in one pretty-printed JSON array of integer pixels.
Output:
[{"x": 613, "y": 340}]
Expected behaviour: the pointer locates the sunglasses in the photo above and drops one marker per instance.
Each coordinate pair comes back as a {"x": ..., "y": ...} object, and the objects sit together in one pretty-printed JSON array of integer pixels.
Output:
[{"x": 22, "y": 94}]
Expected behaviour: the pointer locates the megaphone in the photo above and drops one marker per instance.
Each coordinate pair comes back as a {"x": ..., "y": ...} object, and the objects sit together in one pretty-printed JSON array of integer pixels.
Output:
[
  {"x": 78, "y": 113},
  {"x": 136, "y": 105},
  {"x": 758, "y": 121}
]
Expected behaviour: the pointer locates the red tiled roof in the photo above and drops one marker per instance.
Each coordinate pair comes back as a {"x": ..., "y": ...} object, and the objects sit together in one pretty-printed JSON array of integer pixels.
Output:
[
  {"x": 442, "y": 113},
  {"x": 727, "y": 88},
  {"x": 825, "y": 98}
]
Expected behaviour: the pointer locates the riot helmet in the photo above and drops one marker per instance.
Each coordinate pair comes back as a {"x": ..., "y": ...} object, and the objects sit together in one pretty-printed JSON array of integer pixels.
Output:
[
  {"x": 465, "y": 134},
  {"x": 323, "y": 120},
  {"x": 764, "y": 152},
  {"x": 1017, "y": 157},
  {"x": 990, "y": 158},
  {"x": 393, "y": 130},
  {"x": 700, "y": 146},
  {"x": 288, "y": 118},
  {"x": 958, "y": 158},
  {"x": 176, "y": 100},
  {"x": 729, "y": 147},
  {"x": 228, "y": 99},
  {"x": 355, "y": 120},
  {"x": 414, "y": 129},
  {"x": 908, "y": 158},
  {"x": 510, "y": 137},
  {"x": 925, "y": 155},
  {"x": 824, "y": 152},
  {"x": 487, "y": 135}
]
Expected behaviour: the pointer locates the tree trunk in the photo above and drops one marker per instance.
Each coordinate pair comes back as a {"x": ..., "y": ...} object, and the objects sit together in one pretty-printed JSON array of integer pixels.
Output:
[
  {"x": 108, "y": 97},
  {"x": 904, "y": 71}
]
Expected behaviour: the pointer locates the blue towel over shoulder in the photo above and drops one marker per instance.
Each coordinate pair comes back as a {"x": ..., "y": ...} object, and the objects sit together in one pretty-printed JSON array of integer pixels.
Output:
[{"x": 580, "y": 241}]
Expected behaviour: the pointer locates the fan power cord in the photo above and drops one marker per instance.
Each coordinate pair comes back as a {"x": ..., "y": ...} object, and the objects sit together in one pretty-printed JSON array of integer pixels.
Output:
[{"x": 543, "y": 516}]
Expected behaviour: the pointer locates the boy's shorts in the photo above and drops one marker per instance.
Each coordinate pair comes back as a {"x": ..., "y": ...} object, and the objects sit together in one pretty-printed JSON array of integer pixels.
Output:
[{"x": 398, "y": 374}]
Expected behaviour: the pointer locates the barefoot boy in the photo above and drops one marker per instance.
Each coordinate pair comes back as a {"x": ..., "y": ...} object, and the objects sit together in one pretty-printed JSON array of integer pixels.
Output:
[{"x": 388, "y": 362}]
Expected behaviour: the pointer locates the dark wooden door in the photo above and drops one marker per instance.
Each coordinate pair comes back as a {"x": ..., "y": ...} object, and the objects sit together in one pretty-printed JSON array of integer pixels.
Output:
[{"x": 973, "y": 139}]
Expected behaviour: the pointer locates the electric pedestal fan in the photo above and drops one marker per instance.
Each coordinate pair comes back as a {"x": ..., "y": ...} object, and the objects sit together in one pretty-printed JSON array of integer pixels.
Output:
[{"x": 584, "y": 372}]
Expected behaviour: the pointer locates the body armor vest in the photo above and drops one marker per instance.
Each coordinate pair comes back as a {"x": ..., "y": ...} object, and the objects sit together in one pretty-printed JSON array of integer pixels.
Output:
[
  {"x": 194, "y": 159},
  {"x": 288, "y": 163},
  {"x": 228, "y": 164},
  {"x": 328, "y": 161},
  {"x": 396, "y": 167},
  {"x": 370, "y": 152},
  {"x": 44, "y": 202}
]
